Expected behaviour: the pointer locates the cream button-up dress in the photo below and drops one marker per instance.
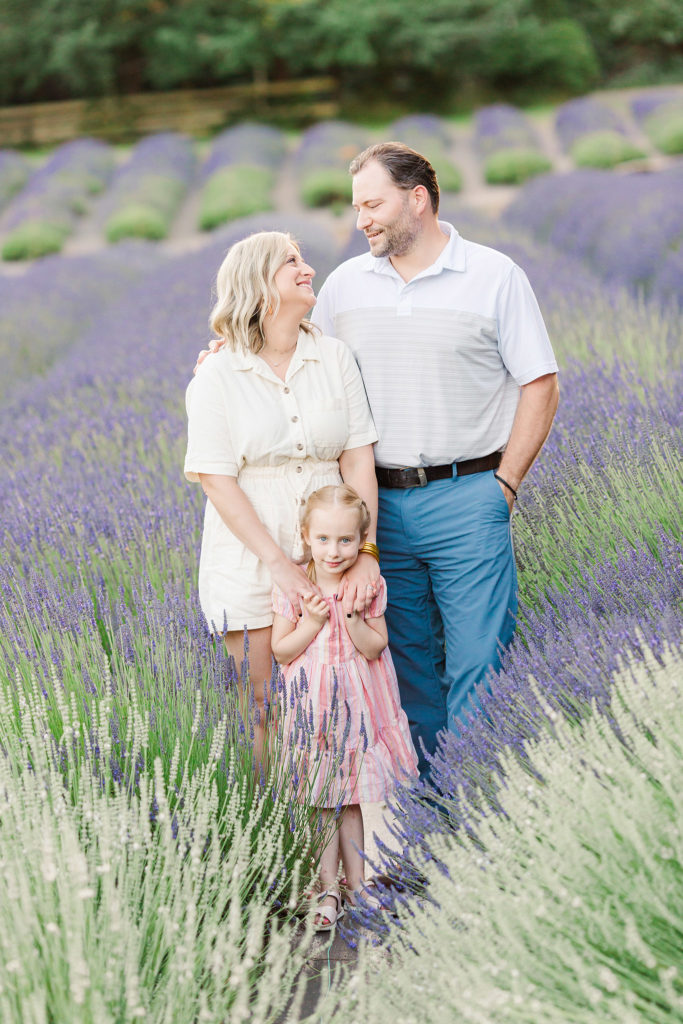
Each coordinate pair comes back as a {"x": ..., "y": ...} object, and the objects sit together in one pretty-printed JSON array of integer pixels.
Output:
[{"x": 282, "y": 440}]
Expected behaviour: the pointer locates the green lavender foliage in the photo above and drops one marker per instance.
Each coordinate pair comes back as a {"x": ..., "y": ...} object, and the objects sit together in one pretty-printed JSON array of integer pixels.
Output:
[
  {"x": 604, "y": 149},
  {"x": 138, "y": 899},
  {"x": 665, "y": 127},
  {"x": 566, "y": 908},
  {"x": 515, "y": 165},
  {"x": 235, "y": 191}
]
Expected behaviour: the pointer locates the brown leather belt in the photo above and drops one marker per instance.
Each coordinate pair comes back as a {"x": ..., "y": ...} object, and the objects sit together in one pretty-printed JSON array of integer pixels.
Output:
[{"x": 422, "y": 475}]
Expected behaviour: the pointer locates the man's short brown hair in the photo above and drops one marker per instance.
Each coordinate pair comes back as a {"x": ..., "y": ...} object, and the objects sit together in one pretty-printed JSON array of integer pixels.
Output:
[{"x": 406, "y": 167}]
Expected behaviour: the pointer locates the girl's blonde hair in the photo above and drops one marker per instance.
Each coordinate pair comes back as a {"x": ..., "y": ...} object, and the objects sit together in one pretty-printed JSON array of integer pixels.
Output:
[
  {"x": 246, "y": 292},
  {"x": 340, "y": 496}
]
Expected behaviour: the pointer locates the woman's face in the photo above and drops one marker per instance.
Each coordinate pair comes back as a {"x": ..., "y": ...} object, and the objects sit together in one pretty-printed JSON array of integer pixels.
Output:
[{"x": 293, "y": 282}]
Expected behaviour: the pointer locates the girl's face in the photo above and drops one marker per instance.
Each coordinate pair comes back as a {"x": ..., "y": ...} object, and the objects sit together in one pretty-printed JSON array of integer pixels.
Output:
[
  {"x": 293, "y": 282},
  {"x": 333, "y": 536}
]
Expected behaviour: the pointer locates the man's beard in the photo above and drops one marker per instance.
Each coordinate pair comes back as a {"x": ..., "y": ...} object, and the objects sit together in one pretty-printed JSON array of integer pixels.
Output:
[{"x": 399, "y": 238}]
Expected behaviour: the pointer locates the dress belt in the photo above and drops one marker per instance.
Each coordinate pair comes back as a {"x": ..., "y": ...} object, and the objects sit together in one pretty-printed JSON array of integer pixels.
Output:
[{"x": 422, "y": 475}]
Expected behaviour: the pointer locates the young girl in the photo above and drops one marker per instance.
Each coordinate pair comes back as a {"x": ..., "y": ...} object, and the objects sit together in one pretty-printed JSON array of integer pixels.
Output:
[{"x": 352, "y": 701}]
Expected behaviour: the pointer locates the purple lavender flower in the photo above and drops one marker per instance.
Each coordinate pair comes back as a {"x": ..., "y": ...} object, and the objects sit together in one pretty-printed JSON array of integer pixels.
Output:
[
  {"x": 583, "y": 115},
  {"x": 502, "y": 126}
]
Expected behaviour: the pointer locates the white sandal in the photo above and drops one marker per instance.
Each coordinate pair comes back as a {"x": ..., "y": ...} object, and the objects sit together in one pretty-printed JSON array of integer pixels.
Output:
[
  {"x": 328, "y": 915},
  {"x": 367, "y": 893}
]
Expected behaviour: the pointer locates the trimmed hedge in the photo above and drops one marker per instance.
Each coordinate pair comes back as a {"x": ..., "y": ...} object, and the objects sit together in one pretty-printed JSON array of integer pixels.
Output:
[
  {"x": 515, "y": 165},
  {"x": 233, "y": 192},
  {"x": 604, "y": 149},
  {"x": 33, "y": 239}
]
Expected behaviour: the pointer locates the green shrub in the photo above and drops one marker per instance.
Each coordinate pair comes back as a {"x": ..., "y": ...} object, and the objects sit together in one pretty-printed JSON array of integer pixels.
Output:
[
  {"x": 137, "y": 220},
  {"x": 234, "y": 192},
  {"x": 33, "y": 239},
  {"x": 324, "y": 188},
  {"x": 665, "y": 127},
  {"x": 514, "y": 165},
  {"x": 450, "y": 177},
  {"x": 604, "y": 149}
]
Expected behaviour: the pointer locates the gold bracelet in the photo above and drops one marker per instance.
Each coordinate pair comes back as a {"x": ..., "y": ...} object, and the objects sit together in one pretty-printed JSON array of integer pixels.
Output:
[{"x": 368, "y": 548}]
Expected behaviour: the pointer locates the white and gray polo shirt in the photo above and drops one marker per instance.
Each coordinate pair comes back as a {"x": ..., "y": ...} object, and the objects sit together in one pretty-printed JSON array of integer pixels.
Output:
[{"x": 443, "y": 356}]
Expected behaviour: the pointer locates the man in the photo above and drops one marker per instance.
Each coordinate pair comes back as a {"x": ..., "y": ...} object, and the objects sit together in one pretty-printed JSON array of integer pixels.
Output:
[{"x": 462, "y": 384}]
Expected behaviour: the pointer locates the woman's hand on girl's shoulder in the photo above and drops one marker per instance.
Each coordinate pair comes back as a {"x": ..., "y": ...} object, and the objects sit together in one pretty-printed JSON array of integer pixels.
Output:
[
  {"x": 215, "y": 345},
  {"x": 359, "y": 585},
  {"x": 292, "y": 580}
]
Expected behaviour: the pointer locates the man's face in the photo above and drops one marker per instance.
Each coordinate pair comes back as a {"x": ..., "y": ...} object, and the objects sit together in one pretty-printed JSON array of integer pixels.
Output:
[{"x": 385, "y": 212}]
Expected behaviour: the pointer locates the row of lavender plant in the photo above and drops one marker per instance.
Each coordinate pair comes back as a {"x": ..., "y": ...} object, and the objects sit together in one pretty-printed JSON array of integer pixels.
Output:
[
  {"x": 240, "y": 173},
  {"x": 147, "y": 190},
  {"x": 508, "y": 144},
  {"x": 661, "y": 117},
  {"x": 14, "y": 172},
  {"x": 627, "y": 228},
  {"x": 321, "y": 162},
  {"x": 108, "y": 675},
  {"x": 594, "y": 134},
  {"x": 102, "y": 531},
  {"x": 563, "y": 905},
  {"x": 45, "y": 212},
  {"x": 429, "y": 134}
]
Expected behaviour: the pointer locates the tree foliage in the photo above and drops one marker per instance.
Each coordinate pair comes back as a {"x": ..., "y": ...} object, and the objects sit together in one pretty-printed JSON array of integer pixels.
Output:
[{"x": 404, "y": 48}]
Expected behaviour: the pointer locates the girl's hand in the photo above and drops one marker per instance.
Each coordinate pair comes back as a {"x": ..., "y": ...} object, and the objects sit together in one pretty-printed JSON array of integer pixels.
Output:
[
  {"x": 293, "y": 582},
  {"x": 214, "y": 346},
  {"x": 358, "y": 586},
  {"x": 317, "y": 608}
]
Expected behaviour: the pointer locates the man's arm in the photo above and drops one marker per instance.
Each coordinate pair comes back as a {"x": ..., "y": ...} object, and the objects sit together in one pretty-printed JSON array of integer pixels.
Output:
[{"x": 533, "y": 419}]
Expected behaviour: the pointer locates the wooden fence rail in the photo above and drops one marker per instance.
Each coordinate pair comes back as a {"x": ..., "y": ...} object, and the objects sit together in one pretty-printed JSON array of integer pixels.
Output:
[{"x": 197, "y": 111}]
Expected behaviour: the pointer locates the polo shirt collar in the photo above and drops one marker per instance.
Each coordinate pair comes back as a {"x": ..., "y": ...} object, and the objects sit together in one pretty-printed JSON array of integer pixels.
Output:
[{"x": 452, "y": 257}]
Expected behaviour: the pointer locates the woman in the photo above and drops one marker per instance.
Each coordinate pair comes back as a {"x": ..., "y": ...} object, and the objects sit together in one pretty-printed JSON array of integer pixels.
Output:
[{"x": 275, "y": 414}]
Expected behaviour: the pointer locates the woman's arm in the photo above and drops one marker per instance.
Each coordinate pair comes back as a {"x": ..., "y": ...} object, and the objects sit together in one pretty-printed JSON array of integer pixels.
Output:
[
  {"x": 369, "y": 636},
  {"x": 357, "y": 467},
  {"x": 239, "y": 515}
]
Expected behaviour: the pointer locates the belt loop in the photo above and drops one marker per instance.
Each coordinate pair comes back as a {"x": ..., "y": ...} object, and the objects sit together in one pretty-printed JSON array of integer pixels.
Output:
[{"x": 422, "y": 476}]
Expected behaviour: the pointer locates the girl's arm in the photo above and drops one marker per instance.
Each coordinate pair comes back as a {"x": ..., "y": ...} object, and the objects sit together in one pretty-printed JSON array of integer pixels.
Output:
[
  {"x": 369, "y": 636},
  {"x": 290, "y": 639},
  {"x": 239, "y": 515}
]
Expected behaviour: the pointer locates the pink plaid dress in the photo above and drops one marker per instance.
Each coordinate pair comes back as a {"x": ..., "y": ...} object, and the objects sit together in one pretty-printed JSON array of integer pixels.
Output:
[{"x": 355, "y": 739}]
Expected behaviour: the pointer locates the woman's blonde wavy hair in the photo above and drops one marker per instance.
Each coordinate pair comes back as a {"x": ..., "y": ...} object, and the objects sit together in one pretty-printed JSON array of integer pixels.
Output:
[{"x": 246, "y": 292}]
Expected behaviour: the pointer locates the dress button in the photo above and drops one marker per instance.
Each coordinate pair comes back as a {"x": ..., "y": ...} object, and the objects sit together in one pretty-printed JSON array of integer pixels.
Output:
[
  {"x": 299, "y": 469},
  {"x": 295, "y": 419},
  {"x": 286, "y": 390},
  {"x": 300, "y": 447}
]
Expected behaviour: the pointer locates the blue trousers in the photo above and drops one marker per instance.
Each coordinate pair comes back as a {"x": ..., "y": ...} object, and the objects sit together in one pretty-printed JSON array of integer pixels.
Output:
[{"x": 448, "y": 560}]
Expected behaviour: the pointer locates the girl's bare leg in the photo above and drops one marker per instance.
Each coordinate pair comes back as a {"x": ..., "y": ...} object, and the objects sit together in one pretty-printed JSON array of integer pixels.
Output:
[
  {"x": 329, "y": 862},
  {"x": 260, "y": 669},
  {"x": 352, "y": 846}
]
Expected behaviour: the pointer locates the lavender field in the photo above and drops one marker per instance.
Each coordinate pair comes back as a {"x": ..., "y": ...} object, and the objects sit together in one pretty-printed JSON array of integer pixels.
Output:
[{"x": 144, "y": 872}]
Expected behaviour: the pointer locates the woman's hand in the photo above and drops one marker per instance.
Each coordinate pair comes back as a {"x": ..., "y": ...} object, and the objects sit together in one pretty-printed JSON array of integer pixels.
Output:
[
  {"x": 358, "y": 586},
  {"x": 292, "y": 580},
  {"x": 214, "y": 346}
]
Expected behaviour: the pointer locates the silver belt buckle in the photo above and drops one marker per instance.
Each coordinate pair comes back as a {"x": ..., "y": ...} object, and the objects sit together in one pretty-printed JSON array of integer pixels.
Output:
[{"x": 422, "y": 476}]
